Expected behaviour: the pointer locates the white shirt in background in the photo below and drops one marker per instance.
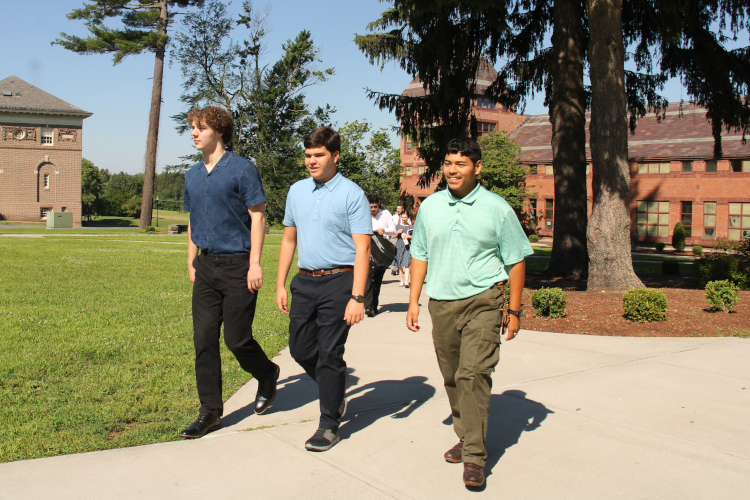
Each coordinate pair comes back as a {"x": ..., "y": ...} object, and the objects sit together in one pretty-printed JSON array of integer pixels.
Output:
[{"x": 384, "y": 220}]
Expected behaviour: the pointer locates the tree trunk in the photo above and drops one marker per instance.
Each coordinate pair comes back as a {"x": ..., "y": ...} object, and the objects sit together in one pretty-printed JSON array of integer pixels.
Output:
[
  {"x": 568, "y": 116},
  {"x": 610, "y": 262},
  {"x": 152, "y": 141}
]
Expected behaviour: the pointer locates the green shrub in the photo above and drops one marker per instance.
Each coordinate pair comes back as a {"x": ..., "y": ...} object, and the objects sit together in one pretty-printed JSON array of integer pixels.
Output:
[
  {"x": 533, "y": 238},
  {"x": 670, "y": 267},
  {"x": 727, "y": 245},
  {"x": 549, "y": 302},
  {"x": 697, "y": 250},
  {"x": 678, "y": 237},
  {"x": 150, "y": 229},
  {"x": 660, "y": 246},
  {"x": 645, "y": 304},
  {"x": 718, "y": 266},
  {"x": 722, "y": 295}
]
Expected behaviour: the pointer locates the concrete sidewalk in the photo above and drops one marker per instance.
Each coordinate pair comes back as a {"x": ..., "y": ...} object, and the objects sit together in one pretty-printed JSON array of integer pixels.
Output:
[{"x": 573, "y": 416}]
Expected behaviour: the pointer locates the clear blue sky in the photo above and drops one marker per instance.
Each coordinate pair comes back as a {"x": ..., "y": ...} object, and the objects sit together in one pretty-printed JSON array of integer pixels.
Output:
[{"x": 120, "y": 96}]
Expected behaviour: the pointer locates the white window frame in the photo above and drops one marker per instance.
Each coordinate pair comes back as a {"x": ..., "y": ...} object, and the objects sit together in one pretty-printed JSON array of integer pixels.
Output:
[
  {"x": 48, "y": 136},
  {"x": 44, "y": 212}
]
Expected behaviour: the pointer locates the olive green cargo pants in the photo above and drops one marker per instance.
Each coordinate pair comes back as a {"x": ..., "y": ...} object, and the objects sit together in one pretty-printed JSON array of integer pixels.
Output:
[{"x": 466, "y": 334}]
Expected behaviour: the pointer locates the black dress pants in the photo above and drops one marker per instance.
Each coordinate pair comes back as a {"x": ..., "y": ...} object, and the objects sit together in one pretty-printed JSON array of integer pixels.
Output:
[
  {"x": 372, "y": 288},
  {"x": 220, "y": 294},
  {"x": 317, "y": 334}
]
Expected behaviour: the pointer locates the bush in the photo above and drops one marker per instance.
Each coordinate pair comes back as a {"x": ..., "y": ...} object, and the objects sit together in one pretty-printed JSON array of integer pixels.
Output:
[
  {"x": 132, "y": 207},
  {"x": 697, "y": 250},
  {"x": 645, "y": 304},
  {"x": 722, "y": 295},
  {"x": 660, "y": 246},
  {"x": 533, "y": 238},
  {"x": 727, "y": 245},
  {"x": 717, "y": 266},
  {"x": 678, "y": 237},
  {"x": 150, "y": 229},
  {"x": 549, "y": 302},
  {"x": 670, "y": 267}
]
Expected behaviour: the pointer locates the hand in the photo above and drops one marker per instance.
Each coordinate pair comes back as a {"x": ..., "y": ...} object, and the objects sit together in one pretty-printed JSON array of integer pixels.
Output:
[
  {"x": 411, "y": 318},
  {"x": 355, "y": 312},
  {"x": 281, "y": 300},
  {"x": 381, "y": 231},
  {"x": 513, "y": 324},
  {"x": 254, "y": 278},
  {"x": 191, "y": 272},
  {"x": 399, "y": 232}
]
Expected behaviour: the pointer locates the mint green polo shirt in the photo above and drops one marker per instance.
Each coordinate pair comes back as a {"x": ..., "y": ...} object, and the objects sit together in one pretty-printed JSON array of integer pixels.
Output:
[{"x": 468, "y": 243}]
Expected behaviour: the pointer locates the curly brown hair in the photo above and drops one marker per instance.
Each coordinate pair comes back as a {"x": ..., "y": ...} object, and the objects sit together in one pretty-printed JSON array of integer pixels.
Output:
[{"x": 218, "y": 119}]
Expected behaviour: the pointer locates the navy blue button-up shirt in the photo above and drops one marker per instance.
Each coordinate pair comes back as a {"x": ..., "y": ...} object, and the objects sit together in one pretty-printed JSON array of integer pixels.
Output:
[{"x": 218, "y": 203}]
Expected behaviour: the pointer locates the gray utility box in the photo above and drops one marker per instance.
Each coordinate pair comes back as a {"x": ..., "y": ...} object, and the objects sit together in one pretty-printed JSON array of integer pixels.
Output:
[{"x": 59, "y": 220}]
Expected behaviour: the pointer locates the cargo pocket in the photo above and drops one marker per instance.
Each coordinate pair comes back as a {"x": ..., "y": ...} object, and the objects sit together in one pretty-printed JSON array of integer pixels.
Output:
[{"x": 488, "y": 350}]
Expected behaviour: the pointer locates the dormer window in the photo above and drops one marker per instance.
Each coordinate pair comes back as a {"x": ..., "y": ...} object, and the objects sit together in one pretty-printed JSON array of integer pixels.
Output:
[{"x": 47, "y": 136}]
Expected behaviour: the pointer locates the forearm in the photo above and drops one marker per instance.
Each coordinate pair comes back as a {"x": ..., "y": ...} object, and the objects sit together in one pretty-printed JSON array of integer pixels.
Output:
[
  {"x": 517, "y": 277},
  {"x": 286, "y": 255},
  {"x": 192, "y": 248},
  {"x": 361, "y": 262},
  {"x": 257, "y": 232},
  {"x": 418, "y": 273}
]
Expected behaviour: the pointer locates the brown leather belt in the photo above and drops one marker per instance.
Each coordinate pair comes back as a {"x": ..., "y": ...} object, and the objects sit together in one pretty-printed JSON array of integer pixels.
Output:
[{"x": 326, "y": 272}]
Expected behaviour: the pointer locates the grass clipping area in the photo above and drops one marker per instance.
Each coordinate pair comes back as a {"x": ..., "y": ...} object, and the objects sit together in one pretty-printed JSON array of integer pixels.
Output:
[{"x": 96, "y": 350}]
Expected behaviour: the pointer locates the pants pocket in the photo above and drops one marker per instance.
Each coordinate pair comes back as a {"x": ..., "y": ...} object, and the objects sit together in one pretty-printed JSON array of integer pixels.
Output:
[{"x": 488, "y": 350}]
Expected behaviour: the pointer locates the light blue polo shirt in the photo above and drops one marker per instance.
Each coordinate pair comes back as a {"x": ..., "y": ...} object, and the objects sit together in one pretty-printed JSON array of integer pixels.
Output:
[
  {"x": 468, "y": 243},
  {"x": 326, "y": 216}
]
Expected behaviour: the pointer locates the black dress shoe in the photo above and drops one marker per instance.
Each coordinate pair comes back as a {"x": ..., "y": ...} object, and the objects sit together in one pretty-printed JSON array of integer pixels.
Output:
[
  {"x": 205, "y": 423},
  {"x": 266, "y": 392},
  {"x": 370, "y": 312}
]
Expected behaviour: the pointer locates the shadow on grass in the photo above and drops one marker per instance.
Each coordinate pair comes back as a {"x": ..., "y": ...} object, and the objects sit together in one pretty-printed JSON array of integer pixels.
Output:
[{"x": 111, "y": 222}]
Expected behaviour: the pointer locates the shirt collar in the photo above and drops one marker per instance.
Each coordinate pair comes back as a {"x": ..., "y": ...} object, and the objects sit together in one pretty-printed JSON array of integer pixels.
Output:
[
  {"x": 331, "y": 184},
  {"x": 223, "y": 161},
  {"x": 469, "y": 199}
]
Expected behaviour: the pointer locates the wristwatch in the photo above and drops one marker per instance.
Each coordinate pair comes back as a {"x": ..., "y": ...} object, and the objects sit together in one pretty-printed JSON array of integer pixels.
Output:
[
  {"x": 358, "y": 298},
  {"x": 517, "y": 314}
]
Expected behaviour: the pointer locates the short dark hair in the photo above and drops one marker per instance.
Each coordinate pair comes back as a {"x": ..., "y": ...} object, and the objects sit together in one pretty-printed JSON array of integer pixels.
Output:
[
  {"x": 465, "y": 146},
  {"x": 323, "y": 136},
  {"x": 218, "y": 119},
  {"x": 373, "y": 198}
]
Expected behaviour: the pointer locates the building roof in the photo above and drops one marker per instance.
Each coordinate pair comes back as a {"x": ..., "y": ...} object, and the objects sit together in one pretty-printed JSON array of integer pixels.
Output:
[
  {"x": 486, "y": 76},
  {"x": 19, "y": 96},
  {"x": 682, "y": 134}
]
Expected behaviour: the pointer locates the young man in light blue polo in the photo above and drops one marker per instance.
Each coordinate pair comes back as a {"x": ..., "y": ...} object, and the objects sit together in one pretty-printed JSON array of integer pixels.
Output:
[{"x": 467, "y": 241}]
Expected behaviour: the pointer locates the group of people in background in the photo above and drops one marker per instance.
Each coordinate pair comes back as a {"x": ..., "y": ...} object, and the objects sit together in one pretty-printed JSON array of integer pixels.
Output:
[{"x": 466, "y": 241}]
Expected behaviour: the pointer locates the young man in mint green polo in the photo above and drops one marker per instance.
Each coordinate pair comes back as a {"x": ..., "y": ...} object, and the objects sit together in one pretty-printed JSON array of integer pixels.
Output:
[{"x": 467, "y": 241}]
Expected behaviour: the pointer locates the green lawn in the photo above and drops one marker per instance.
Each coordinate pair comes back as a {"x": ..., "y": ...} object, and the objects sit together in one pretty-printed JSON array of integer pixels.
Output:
[
  {"x": 96, "y": 348},
  {"x": 641, "y": 268}
]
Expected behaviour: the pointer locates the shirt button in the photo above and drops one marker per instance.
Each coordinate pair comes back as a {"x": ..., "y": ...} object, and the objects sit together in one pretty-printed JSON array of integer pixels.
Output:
[
  {"x": 456, "y": 221},
  {"x": 206, "y": 215}
]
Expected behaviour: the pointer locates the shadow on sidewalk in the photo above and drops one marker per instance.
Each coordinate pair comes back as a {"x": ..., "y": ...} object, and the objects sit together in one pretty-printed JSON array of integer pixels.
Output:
[
  {"x": 397, "y": 398},
  {"x": 397, "y": 308},
  {"x": 293, "y": 392},
  {"x": 511, "y": 415}
]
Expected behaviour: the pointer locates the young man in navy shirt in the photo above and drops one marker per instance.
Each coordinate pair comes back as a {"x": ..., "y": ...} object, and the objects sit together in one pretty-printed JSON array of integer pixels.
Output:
[
  {"x": 224, "y": 196},
  {"x": 328, "y": 220}
]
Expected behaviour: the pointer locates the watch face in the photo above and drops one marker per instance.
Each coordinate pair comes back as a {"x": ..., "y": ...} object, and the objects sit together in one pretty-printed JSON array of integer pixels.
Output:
[{"x": 19, "y": 134}]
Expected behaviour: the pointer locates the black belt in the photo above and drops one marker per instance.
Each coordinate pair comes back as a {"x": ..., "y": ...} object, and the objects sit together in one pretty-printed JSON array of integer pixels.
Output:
[
  {"x": 230, "y": 258},
  {"x": 326, "y": 272}
]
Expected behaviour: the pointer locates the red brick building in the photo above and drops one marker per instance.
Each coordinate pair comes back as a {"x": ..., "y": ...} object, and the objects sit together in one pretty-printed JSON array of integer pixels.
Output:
[
  {"x": 673, "y": 177},
  {"x": 490, "y": 116},
  {"x": 40, "y": 153}
]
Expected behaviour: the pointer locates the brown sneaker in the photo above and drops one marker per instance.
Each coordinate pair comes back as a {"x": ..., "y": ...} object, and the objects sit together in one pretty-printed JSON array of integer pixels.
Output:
[
  {"x": 454, "y": 455},
  {"x": 473, "y": 474}
]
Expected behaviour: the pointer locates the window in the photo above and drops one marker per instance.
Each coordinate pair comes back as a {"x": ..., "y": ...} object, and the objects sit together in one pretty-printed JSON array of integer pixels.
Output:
[
  {"x": 686, "y": 217},
  {"x": 709, "y": 220},
  {"x": 408, "y": 145},
  {"x": 739, "y": 220},
  {"x": 485, "y": 128},
  {"x": 505, "y": 107},
  {"x": 409, "y": 170},
  {"x": 549, "y": 214},
  {"x": 485, "y": 103},
  {"x": 421, "y": 169},
  {"x": 549, "y": 170},
  {"x": 687, "y": 167},
  {"x": 740, "y": 166},
  {"x": 63, "y": 209},
  {"x": 652, "y": 218},
  {"x": 711, "y": 166},
  {"x": 653, "y": 168},
  {"x": 43, "y": 212},
  {"x": 532, "y": 211},
  {"x": 46, "y": 181},
  {"x": 46, "y": 136},
  {"x": 588, "y": 168},
  {"x": 532, "y": 169}
]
